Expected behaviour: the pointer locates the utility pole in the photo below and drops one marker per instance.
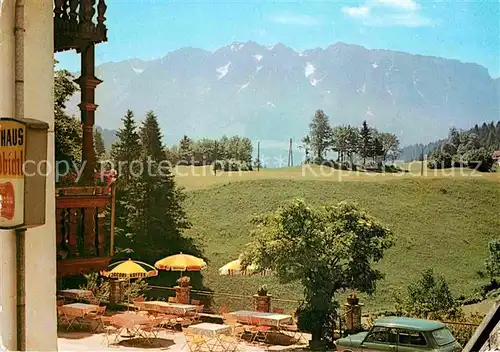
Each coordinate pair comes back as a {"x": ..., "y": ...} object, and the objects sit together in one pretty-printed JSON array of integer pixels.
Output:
[
  {"x": 215, "y": 158},
  {"x": 290, "y": 154},
  {"x": 422, "y": 162},
  {"x": 258, "y": 155}
]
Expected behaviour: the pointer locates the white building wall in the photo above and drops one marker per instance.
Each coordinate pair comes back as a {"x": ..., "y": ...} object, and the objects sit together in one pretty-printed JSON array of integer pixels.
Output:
[
  {"x": 41, "y": 318},
  {"x": 41, "y": 323},
  {"x": 7, "y": 239}
]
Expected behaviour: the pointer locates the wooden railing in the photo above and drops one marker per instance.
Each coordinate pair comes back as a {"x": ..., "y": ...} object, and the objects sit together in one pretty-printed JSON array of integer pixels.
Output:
[
  {"x": 80, "y": 232},
  {"x": 78, "y": 22}
]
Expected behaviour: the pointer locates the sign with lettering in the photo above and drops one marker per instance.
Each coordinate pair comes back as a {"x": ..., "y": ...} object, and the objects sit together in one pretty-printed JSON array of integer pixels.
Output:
[{"x": 12, "y": 158}]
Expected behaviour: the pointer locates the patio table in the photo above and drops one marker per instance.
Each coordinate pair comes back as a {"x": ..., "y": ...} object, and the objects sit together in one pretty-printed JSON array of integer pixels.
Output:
[
  {"x": 210, "y": 329},
  {"x": 130, "y": 322},
  {"x": 213, "y": 334},
  {"x": 76, "y": 312},
  {"x": 83, "y": 308},
  {"x": 167, "y": 307},
  {"x": 262, "y": 318},
  {"x": 75, "y": 293}
]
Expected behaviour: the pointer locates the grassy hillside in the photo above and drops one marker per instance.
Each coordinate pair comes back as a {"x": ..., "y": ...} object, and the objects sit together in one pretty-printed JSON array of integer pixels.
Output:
[{"x": 439, "y": 222}]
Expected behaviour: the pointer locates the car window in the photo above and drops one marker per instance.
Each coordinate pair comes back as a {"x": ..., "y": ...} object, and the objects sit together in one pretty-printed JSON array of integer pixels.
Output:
[
  {"x": 443, "y": 336},
  {"x": 413, "y": 338},
  {"x": 381, "y": 334}
]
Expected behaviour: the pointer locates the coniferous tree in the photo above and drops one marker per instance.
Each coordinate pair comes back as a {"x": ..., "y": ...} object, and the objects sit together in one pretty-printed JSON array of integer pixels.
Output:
[
  {"x": 125, "y": 154},
  {"x": 158, "y": 218},
  {"x": 126, "y": 150},
  {"x": 100, "y": 150},
  {"x": 366, "y": 142}
]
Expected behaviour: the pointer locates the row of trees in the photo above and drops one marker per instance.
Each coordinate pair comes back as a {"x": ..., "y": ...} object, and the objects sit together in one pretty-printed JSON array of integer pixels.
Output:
[
  {"x": 348, "y": 142},
  {"x": 472, "y": 148},
  {"x": 207, "y": 151},
  {"x": 488, "y": 135}
]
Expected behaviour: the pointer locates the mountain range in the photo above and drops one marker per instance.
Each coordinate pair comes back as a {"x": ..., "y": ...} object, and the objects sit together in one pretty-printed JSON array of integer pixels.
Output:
[{"x": 270, "y": 93}]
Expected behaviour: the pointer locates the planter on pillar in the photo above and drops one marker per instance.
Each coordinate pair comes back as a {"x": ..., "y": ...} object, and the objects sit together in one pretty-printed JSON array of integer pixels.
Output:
[
  {"x": 262, "y": 300},
  {"x": 262, "y": 303},
  {"x": 183, "y": 290},
  {"x": 352, "y": 311},
  {"x": 115, "y": 291}
]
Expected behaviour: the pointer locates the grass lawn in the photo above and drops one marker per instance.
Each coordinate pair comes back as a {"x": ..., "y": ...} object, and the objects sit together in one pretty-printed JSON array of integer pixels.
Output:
[{"x": 443, "y": 220}]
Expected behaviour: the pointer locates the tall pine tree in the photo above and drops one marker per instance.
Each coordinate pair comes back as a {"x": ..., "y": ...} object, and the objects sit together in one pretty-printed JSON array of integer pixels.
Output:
[
  {"x": 157, "y": 218},
  {"x": 100, "y": 150},
  {"x": 125, "y": 154},
  {"x": 366, "y": 142}
]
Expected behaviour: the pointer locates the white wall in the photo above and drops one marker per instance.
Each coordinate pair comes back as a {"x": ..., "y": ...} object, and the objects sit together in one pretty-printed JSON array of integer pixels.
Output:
[
  {"x": 7, "y": 239},
  {"x": 41, "y": 319},
  {"x": 41, "y": 332}
]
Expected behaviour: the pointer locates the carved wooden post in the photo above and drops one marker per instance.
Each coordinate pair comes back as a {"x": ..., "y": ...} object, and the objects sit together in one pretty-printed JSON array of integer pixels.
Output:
[
  {"x": 100, "y": 232},
  {"x": 59, "y": 227},
  {"x": 73, "y": 15},
  {"x": 88, "y": 82},
  {"x": 89, "y": 230},
  {"x": 73, "y": 230}
]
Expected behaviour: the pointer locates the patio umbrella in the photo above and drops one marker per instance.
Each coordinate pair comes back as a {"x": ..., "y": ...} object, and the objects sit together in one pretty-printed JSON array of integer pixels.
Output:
[
  {"x": 181, "y": 262},
  {"x": 234, "y": 268},
  {"x": 130, "y": 269}
]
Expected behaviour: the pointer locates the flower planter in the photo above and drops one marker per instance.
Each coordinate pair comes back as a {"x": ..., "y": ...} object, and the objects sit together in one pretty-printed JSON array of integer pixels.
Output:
[{"x": 352, "y": 301}]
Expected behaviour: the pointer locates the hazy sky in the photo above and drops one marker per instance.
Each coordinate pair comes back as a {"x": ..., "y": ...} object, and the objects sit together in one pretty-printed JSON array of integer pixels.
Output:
[{"x": 464, "y": 30}]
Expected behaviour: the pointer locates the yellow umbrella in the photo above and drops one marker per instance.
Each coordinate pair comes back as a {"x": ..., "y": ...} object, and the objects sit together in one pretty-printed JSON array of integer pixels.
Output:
[
  {"x": 234, "y": 268},
  {"x": 181, "y": 262},
  {"x": 130, "y": 269}
]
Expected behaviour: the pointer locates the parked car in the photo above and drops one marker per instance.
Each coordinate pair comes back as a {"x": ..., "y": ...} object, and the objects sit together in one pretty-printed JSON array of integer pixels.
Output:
[{"x": 397, "y": 334}]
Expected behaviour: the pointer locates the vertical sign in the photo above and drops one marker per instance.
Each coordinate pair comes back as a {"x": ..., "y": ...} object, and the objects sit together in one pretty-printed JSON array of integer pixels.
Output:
[{"x": 12, "y": 158}]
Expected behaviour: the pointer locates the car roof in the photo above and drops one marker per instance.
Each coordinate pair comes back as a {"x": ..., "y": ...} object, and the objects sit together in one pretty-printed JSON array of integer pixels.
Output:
[{"x": 410, "y": 323}]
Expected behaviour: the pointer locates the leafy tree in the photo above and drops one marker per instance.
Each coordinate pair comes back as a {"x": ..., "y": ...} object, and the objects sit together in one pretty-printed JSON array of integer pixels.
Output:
[
  {"x": 306, "y": 145},
  {"x": 340, "y": 139},
  {"x": 320, "y": 133},
  {"x": 352, "y": 137},
  {"x": 68, "y": 130},
  {"x": 100, "y": 150},
  {"x": 390, "y": 145},
  {"x": 365, "y": 142},
  {"x": 327, "y": 250},
  {"x": 493, "y": 262},
  {"x": 378, "y": 151},
  {"x": 429, "y": 298}
]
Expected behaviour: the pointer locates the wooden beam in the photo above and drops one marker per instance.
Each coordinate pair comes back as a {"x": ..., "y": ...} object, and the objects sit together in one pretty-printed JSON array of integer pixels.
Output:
[{"x": 483, "y": 332}]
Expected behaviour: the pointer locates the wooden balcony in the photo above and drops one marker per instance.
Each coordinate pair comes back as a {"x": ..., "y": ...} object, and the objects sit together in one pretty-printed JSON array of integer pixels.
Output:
[
  {"x": 78, "y": 23},
  {"x": 82, "y": 245}
]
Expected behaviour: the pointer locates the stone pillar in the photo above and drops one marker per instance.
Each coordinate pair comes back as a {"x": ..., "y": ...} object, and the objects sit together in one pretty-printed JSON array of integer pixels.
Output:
[
  {"x": 183, "y": 294},
  {"x": 353, "y": 316},
  {"x": 262, "y": 303},
  {"x": 115, "y": 291}
]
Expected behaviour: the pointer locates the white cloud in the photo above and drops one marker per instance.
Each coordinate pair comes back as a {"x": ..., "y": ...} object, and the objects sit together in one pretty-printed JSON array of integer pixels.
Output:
[
  {"x": 361, "y": 11},
  {"x": 408, "y": 5},
  {"x": 406, "y": 13},
  {"x": 295, "y": 19}
]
